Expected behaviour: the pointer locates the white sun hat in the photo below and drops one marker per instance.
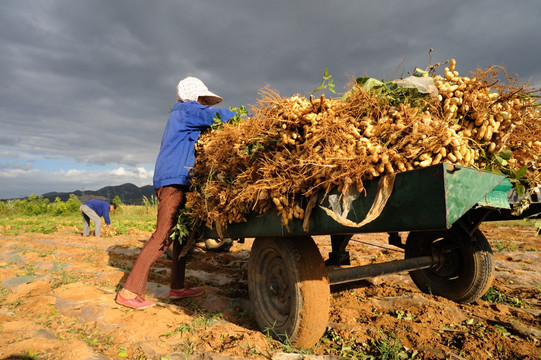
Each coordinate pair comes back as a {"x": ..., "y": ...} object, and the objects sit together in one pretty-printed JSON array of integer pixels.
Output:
[{"x": 192, "y": 88}]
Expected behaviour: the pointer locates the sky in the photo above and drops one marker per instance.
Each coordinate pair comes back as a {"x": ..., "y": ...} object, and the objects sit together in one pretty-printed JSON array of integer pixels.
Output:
[{"x": 86, "y": 86}]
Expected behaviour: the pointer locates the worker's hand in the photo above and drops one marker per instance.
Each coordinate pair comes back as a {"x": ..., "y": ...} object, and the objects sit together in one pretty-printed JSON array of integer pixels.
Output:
[{"x": 109, "y": 230}]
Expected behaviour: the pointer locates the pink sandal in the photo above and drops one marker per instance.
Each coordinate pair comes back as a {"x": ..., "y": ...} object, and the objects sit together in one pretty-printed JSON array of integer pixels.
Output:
[{"x": 135, "y": 303}]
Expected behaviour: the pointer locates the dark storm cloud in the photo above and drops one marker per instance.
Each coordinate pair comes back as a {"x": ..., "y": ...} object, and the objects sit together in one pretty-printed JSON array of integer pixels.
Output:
[{"x": 94, "y": 80}]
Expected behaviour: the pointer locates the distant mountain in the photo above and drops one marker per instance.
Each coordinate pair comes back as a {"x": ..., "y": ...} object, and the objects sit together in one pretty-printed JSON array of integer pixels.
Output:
[{"x": 129, "y": 194}]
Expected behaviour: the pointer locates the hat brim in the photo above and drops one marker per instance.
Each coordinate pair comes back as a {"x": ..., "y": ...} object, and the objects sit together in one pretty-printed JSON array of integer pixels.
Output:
[{"x": 210, "y": 98}]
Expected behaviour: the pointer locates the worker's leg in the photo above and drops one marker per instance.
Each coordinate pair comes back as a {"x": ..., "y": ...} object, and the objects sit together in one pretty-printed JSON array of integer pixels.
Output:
[
  {"x": 171, "y": 200},
  {"x": 86, "y": 221},
  {"x": 178, "y": 267},
  {"x": 97, "y": 226},
  {"x": 89, "y": 214}
]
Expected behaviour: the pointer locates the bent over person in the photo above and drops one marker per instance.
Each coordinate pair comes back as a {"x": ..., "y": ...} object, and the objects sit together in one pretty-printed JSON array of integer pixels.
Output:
[
  {"x": 94, "y": 210},
  {"x": 190, "y": 115}
]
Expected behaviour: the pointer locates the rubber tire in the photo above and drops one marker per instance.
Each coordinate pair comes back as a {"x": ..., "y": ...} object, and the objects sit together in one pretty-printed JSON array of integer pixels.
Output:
[
  {"x": 169, "y": 252},
  {"x": 289, "y": 289},
  {"x": 466, "y": 267},
  {"x": 219, "y": 245},
  {"x": 210, "y": 245}
]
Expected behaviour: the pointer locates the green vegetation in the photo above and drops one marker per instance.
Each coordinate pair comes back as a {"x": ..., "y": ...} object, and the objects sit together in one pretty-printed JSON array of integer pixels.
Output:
[
  {"x": 240, "y": 113},
  {"x": 327, "y": 82},
  {"x": 202, "y": 320},
  {"x": 497, "y": 296},
  {"x": 183, "y": 227},
  {"x": 500, "y": 246},
  {"x": 61, "y": 276},
  {"x": 385, "y": 345},
  {"x": 37, "y": 214},
  {"x": 38, "y": 205}
]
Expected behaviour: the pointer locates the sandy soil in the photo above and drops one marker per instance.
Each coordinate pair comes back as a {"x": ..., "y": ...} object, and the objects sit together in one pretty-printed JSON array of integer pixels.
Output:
[{"x": 57, "y": 302}]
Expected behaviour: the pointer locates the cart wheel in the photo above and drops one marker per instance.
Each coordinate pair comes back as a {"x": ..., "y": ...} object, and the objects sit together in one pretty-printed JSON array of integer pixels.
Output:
[
  {"x": 466, "y": 266},
  {"x": 289, "y": 289}
]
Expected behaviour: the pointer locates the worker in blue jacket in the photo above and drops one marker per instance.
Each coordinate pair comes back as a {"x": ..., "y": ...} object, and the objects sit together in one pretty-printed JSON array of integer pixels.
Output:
[
  {"x": 191, "y": 114},
  {"x": 94, "y": 210}
]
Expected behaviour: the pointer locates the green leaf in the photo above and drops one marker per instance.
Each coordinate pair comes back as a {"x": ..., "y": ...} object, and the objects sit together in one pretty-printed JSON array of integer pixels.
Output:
[
  {"x": 326, "y": 73},
  {"x": 502, "y": 330},
  {"x": 326, "y": 82},
  {"x": 521, "y": 172},
  {"x": 217, "y": 122},
  {"x": 122, "y": 354},
  {"x": 369, "y": 83},
  {"x": 182, "y": 228},
  {"x": 240, "y": 114},
  {"x": 506, "y": 154},
  {"x": 520, "y": 189},
  {"x": 424, "y": 73}
]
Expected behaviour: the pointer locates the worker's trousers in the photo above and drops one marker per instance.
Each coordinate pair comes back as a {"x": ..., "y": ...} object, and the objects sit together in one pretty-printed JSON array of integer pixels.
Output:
[
  {"x": 89, "y": 214},
  {"x": 171, "y": 201}
]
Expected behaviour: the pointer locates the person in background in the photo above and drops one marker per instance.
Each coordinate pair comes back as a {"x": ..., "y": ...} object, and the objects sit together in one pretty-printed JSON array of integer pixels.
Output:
[
  {"x": 94, "y": 210},
  {"x": 189, "y": 116}
]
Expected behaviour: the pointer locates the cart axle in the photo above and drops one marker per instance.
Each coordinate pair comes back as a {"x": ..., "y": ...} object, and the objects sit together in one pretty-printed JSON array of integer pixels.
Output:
[{"x": 351, "y": 274}]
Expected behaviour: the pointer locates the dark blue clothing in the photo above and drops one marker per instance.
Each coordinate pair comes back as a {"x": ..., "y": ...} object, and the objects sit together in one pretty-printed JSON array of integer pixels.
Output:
[
  {"x": 101, "y": 208},
  {"x": 177, "y": 151}
]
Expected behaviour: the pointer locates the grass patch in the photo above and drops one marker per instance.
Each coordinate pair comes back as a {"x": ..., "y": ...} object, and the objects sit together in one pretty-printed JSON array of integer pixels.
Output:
[
  {"x": 500, "y": 246},
  {"x": 385, "y": 345},
  {"x": 61, "y": 276},
  {"x": 125, "y": 220},
  {"x": 202, "y": 320},
  {"x": 497, "y": 296}
]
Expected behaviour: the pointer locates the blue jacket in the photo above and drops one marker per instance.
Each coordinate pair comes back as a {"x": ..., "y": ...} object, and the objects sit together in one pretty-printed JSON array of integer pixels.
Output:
[
  {"x": 101, "y": 208},
  {"x": 177, "y": 151}
]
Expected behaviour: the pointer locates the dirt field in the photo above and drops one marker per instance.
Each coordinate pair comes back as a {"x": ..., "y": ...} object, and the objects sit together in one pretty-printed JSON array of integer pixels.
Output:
[{"x": 57, "y": 302}]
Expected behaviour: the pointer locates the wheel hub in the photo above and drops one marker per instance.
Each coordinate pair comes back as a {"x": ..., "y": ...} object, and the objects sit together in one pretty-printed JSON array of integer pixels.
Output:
[
  {"x": 277, "y": 285},
  {"x": 449, "y": 258}
]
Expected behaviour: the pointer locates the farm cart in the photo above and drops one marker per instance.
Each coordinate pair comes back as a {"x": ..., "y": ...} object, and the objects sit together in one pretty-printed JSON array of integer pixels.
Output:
[{"x": 440, "y": 206}]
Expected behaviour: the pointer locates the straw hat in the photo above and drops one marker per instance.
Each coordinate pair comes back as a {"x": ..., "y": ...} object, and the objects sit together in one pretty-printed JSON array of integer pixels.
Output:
[{"x": 192, "y": 89}]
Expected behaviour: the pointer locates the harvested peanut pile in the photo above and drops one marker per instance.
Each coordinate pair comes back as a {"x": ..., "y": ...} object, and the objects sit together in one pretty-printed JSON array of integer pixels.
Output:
[{"x": 295, "y": 147}]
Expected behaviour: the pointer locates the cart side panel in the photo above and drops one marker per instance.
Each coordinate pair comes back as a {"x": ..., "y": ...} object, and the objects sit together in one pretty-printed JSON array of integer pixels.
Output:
[
  {"x": 416, "y": 202},
  {"x": 430, "y": 198},
  {"x": 465, "y": 187}
]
